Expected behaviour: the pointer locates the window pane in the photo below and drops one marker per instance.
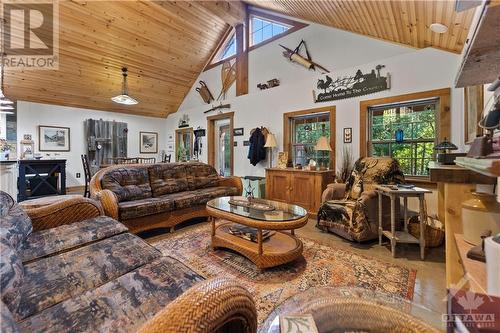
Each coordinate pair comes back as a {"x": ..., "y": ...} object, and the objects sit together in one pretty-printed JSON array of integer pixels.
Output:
[
  {"x": 418, "y": 122},
  {"x": 267, "y": 32},
  {"x": 305, "y": 134},
  {"x": 257, "y": 37},
  {"x": 263, "y": 29},
  {"x": 229, "y": 48},
  {"x": 256, "y": 24}
]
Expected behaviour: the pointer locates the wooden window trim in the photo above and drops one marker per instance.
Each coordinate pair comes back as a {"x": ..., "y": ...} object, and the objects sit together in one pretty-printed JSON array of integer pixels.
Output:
[
  {"x": 443, "y": 121},
  {"x": 211, "y": 134},
  {"x": 286, "y": 129},
  {"x": 295, "y": 26}
]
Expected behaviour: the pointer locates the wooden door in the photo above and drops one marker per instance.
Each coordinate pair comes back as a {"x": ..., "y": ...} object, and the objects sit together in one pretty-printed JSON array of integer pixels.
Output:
[
  {"x": 279, "y": 186},
  {"x": 302, "y": 190}
]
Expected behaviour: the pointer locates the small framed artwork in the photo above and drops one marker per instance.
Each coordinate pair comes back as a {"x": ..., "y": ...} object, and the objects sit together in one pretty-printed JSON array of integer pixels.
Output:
[
  {"x": 148, "y": 142},
  {"x": 282, "y": 159},
  {"x": 239, "y": 131},
  {"x": 170, "y": 137},
  {"x": 53, "y": 138},
  {"x": 473, "y": 108},
  {"x": 347, "y": 135}
]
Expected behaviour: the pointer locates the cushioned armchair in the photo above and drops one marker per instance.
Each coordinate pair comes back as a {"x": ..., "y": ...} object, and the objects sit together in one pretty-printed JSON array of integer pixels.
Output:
[{"x": 351, "y": 210}]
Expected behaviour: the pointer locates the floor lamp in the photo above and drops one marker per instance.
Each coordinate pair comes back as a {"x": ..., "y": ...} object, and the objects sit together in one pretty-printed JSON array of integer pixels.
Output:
[{"x": 270, "y": 143}]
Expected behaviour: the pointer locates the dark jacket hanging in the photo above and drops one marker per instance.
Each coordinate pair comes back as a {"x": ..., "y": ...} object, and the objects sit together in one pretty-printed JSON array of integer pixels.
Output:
[{"x": 256, "y": 151}]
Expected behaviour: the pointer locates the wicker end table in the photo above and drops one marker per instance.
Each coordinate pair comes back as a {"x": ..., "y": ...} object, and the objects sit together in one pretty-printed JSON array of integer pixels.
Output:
[{"x": 280, "y": 248}]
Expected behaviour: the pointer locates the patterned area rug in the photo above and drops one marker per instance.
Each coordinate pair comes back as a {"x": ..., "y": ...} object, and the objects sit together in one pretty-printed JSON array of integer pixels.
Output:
[{"x": 321, "y": 266}]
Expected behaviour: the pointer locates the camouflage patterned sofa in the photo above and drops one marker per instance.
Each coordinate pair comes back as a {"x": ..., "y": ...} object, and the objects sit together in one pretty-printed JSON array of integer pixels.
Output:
[
  {"x": 94, "y": 276},
  {"x": 148, "y": 196}
]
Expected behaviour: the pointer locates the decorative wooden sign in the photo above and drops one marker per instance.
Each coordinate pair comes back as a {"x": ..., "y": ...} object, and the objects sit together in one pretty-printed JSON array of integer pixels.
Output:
[{"x": 347, "y": 87}]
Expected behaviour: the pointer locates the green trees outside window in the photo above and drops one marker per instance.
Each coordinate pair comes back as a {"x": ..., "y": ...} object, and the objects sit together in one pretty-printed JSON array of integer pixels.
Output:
[
  {"x": 417, "y": 120},
  {"x": 306, "y": 131}
]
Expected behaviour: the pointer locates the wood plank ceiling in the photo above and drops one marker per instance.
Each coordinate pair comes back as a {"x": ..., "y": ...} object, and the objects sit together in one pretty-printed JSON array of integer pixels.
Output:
[
  {"x": 401, "y": 21},
  {"x": 164, "y": 44}
]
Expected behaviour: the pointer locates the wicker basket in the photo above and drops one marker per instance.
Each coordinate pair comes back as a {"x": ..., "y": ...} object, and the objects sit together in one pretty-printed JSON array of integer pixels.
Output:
[{"x": 434, "y": 230}]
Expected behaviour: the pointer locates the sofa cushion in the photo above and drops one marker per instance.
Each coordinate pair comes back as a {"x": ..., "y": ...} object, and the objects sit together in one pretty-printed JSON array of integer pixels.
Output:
[
  {"x": 66, "y": 237},
  {"x": 128, "y": 183},
  {"x": 124, "y": 304},
  {"x": 51, "y": 280},
  {"x": 200, "y": 175},
  {"x": 11, "y": 275},
  {"x": 15, "y": 226},
  {"x": 139, "y": 208},
  {"x": 168, "y": 178},
  {"x": 7, "y": 322},
  {"x": 199, "y": 197}
]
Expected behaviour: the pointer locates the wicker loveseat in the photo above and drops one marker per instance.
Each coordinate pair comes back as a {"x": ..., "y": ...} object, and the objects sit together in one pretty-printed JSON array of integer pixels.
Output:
[
  {"x": 94, "y": 276},
  {"x": 149, "y": 196},
  {"x": 351, "y": 210}
]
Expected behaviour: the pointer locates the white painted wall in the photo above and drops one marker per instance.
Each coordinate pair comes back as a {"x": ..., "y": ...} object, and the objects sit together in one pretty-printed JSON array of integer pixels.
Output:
[
  {"x": 30, "y": 115},
  {"x": 343, "y": 53}
]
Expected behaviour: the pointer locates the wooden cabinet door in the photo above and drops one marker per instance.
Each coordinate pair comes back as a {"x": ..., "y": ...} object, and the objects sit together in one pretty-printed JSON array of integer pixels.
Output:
[
  {"x": 279, "y": 185},
  {"x": 302, "y": 190}
]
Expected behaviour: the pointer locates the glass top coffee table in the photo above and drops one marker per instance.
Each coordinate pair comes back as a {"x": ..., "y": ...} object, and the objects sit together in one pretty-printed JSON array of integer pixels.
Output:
[{"x": 270, "y": 224}]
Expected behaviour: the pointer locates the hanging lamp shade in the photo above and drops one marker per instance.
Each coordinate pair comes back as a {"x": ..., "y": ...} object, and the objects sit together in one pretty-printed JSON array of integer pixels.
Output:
[
  {"x": 124, "y": 98},
  {"x": 323, "y": 144},
  {"x": 270, "y": 141}
]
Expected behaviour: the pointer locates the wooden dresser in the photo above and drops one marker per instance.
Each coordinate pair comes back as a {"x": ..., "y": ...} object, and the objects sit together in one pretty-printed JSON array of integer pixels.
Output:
[{"x": 300, "y": 187}]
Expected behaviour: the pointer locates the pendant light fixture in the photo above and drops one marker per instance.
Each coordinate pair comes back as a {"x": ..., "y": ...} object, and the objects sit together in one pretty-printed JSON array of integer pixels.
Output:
[
  {"x": 124, "y": 98},
  {"x": 5, "y": 103}
]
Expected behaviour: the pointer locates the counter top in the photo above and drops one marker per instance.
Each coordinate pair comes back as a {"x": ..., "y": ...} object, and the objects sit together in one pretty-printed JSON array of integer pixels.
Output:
[
  {"x": 299, "y": 170},
  {"x": 442, "y": 173}
]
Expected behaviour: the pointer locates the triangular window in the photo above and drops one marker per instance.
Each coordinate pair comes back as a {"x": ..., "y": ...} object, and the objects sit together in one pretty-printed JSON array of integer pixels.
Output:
[
  {"x": 262, "y": 29},
  {"x": 229, "y": 48}
]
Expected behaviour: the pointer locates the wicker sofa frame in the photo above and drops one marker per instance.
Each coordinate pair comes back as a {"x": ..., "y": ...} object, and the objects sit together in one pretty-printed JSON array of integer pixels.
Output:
[{"x": 170, "y": 219}]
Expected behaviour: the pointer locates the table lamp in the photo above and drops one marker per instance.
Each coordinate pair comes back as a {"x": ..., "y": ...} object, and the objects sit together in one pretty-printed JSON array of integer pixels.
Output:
[
  {"x": 270, "y": 143},
  {"x": 323, "y": 144}
]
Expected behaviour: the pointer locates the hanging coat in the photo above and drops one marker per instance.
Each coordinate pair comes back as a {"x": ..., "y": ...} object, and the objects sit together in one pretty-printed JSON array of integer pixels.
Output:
[{"x": 256, "y": 151}]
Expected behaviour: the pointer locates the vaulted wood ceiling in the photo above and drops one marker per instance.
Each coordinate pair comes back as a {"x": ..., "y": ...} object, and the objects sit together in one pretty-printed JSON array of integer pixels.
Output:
[
  {"x": 166, "y": 44},
  {"x": 401, "y": 21}
]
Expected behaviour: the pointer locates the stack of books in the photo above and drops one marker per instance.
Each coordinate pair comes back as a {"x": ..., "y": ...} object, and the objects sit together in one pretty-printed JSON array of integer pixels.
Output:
[{"x": 249, "y": 233}]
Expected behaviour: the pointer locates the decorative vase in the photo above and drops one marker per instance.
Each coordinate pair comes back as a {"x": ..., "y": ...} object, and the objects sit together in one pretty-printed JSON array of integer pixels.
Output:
[
  {"x": 492, "y": 251},
  {"x": 479, "y": 214}
]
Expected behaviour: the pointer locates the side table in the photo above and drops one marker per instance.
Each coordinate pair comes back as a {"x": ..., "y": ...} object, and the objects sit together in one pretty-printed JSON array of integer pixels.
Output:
[{"x": 401, "y": 236}]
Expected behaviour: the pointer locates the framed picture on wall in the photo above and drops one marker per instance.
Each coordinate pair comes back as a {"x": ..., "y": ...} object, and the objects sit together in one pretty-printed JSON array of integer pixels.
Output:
[
  {"x": 53, "y": 138},
  {"x": 347, "y": 135},
  {"x": 148, "y": 142},
  {"x": 473, "y": 108},
  {"x": 238, "y": 131}
]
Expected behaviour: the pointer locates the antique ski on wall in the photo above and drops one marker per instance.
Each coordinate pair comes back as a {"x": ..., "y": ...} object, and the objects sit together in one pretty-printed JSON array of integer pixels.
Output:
[{"x": 347, "y": 87}]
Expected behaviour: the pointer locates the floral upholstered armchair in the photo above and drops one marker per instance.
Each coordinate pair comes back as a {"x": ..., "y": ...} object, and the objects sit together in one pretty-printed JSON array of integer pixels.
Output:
[{"x": 351, "y": 210}]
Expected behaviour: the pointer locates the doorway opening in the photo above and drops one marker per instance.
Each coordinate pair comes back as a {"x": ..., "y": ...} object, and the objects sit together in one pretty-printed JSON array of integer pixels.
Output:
[{"x": 220, "y": 143}]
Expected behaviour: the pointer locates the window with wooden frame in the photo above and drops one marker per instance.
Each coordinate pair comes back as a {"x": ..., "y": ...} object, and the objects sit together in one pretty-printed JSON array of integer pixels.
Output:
[
  {"x": 302, "y": 130},
  {"x": 260, "y": 28},
  {"x": 406, "y": 127}
]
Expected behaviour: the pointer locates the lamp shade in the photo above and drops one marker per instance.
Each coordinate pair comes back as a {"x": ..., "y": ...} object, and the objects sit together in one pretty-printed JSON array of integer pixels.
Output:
[
  {"x": 270, "y": 141},
  {"x": 323, "y": 144}
]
